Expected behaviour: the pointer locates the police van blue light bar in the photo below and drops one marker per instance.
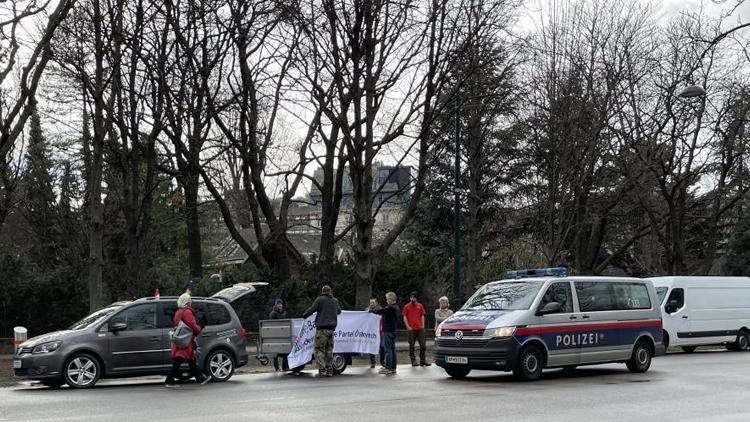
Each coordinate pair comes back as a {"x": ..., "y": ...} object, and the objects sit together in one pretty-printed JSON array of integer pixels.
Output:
[{"x": 539, "y": 272}]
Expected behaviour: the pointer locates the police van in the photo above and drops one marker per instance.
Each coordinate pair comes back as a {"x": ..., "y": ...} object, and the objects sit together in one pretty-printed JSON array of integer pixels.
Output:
[{"x": 538, "y": 319}]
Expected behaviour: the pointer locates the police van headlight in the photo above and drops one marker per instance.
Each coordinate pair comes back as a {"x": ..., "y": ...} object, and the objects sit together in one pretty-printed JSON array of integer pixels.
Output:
[
  {"x": 439, "y": 330},
  {"x": 500, "y": 332}
]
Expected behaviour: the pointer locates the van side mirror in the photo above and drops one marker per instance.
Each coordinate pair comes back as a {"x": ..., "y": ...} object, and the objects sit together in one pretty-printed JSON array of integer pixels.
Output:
[
  {"x": 120, "y": 326},
  {"x": 671, "y": 306},
  {"x": 550, "y": 308}
]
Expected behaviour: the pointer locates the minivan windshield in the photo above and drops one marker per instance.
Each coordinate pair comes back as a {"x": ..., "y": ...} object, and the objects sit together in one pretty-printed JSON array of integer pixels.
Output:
[
  {"x": 504, "y": 296},
  {"x": 96, "y": 316}
]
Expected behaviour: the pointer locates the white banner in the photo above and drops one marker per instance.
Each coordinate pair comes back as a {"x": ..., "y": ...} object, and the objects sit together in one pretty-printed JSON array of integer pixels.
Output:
[{"x": 356, "y": 332}]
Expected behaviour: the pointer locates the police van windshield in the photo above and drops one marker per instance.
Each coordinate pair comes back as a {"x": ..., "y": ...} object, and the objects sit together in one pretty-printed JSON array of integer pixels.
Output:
[{"x": 504, "y": 296}]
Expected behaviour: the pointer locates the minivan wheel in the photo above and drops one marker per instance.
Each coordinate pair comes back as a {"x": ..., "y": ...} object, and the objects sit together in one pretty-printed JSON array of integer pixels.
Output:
[
  {"x": 457, "y": 372},
  {"x": 338, "y": 363},
  {"x": 640, "y": 360},
  {"x": 82, "y": 371},
  {"x": 530, "y": 364},
  {"x": 220, "y": 365}
]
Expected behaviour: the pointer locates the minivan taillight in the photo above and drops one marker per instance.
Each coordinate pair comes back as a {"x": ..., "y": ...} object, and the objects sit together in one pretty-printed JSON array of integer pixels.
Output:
[{"x": 243, "y": 334}]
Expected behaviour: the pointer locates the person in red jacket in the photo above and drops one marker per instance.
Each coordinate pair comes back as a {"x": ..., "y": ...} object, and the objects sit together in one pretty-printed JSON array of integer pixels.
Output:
[{"x": 181, "y": 355}]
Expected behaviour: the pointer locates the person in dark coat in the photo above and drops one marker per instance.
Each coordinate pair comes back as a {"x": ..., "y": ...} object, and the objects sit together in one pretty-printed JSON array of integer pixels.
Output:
[
  {"x": 278, "y": 312},
  {"x": 374, "y": 306},
  {"x": 182, "y": 355},
  {"x": 328, "y": 309},
  {"x": 390, "y": 316}
]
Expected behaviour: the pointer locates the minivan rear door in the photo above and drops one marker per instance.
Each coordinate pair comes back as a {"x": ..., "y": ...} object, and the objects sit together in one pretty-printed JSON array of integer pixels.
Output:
[{"x": 232, "y": 293}]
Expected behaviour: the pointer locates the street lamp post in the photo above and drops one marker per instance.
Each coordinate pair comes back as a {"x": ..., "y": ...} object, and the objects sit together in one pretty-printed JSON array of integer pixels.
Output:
[{"x": 457, "y": 300}]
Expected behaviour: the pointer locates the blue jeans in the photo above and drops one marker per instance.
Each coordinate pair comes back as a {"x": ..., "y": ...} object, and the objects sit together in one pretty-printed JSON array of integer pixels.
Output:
[
  {"x": 381, "y": 353},
  {"x": 389, "y": 344}
]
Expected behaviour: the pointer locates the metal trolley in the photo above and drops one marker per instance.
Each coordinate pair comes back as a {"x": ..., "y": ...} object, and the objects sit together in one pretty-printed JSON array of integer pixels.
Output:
[{"x": 276, "y": 338}]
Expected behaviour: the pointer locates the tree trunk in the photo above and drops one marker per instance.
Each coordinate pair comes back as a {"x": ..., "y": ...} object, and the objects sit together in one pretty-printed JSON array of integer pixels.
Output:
[
  {"x": 192, "y": 220},
  {"x": 94, "y": 185}
]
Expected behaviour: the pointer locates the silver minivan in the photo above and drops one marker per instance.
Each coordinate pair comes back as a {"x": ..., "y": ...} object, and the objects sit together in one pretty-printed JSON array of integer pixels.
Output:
[
  {"x": 127, "y": 339},
  {"x": 538, "y": 319}
]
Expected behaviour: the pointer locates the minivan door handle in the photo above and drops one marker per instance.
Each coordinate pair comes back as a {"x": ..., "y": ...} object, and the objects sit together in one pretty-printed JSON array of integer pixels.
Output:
[
  {"x": 573, "y": 317},
  {"x": 155, "y": 338},
  {"x": 586, "y": 317}
]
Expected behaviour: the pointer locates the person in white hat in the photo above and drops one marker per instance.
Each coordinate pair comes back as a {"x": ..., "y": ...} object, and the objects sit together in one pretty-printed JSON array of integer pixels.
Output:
[{"x": 180, "y": 355}]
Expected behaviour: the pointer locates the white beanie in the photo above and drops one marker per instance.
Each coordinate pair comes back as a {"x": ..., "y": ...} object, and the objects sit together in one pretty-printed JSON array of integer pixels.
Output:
[{"x": 183, "y": 300}]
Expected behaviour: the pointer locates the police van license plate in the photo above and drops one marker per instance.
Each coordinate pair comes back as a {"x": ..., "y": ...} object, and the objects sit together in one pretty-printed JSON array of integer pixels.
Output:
[
  {"x": 17, "y": 364},
  {"x": 456, "y": 359}
]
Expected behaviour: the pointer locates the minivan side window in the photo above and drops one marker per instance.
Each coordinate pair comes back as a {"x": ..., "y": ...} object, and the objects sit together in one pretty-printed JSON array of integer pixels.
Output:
[
  {"x": 139, "y": 317},
  {"x": 166, "y": 313},
  {"x": 594, "y": 296},
  {"x": 561, "y": 293},
  {"x": 678, "y": 295},
  {"x": 201, "y": 313},
  {"x": 631, "y": 296},
  {"x": 218, "y": 314}
]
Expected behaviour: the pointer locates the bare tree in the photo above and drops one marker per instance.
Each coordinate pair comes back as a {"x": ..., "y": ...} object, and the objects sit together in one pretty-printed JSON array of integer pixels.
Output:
[
  {"x": 20, "y": 73},
  {"x": 365, "y": 53}
]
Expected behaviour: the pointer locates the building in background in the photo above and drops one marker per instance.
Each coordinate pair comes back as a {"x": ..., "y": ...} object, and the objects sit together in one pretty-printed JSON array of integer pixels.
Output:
[{"x": 392, "y": 186}]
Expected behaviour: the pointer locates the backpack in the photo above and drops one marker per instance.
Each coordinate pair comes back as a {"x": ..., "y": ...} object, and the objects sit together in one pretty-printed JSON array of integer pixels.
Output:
[{"x": 181, "y": 336}]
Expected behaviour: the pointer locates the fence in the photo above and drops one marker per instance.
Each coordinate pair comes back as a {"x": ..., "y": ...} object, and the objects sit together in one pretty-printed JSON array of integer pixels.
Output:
[{"x": 6, "y": 346}]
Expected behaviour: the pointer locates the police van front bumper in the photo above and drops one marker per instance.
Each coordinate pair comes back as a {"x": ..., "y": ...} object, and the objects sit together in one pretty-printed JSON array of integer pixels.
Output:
[{"x": 496, "y": 354}]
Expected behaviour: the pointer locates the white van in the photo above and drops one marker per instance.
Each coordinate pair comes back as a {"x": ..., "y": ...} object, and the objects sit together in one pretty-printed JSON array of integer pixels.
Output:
[
  {"x": 540, "y": 319},
  {"x": 701, "y": 311}
]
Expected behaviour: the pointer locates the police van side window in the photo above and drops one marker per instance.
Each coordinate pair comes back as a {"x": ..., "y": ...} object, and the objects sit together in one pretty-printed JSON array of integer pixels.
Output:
[
  {"x": 631, "y": 296},
  {"x": 594, "y": 297},
  {"x": 560, "y": 293}
]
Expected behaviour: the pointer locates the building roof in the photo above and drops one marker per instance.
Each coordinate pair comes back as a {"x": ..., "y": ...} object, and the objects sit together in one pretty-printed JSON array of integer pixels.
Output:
[{"x": 229, "y": 252}]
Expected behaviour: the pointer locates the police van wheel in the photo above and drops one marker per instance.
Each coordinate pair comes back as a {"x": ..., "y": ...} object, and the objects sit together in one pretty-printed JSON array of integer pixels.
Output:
[
  {"x": 530, "y": 364},
  {"x": 640, "y": 361},
  {"x": 457, "y": 372}
]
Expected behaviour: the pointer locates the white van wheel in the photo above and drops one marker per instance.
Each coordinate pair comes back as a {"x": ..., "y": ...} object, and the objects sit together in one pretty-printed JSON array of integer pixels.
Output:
[
  {"x": 640, "y": 360},
  {"x": 742, "y": 343}
]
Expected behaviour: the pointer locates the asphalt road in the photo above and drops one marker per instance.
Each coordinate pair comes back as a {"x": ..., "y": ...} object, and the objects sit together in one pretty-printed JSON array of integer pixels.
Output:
[{"x": 703, "y": 386}]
